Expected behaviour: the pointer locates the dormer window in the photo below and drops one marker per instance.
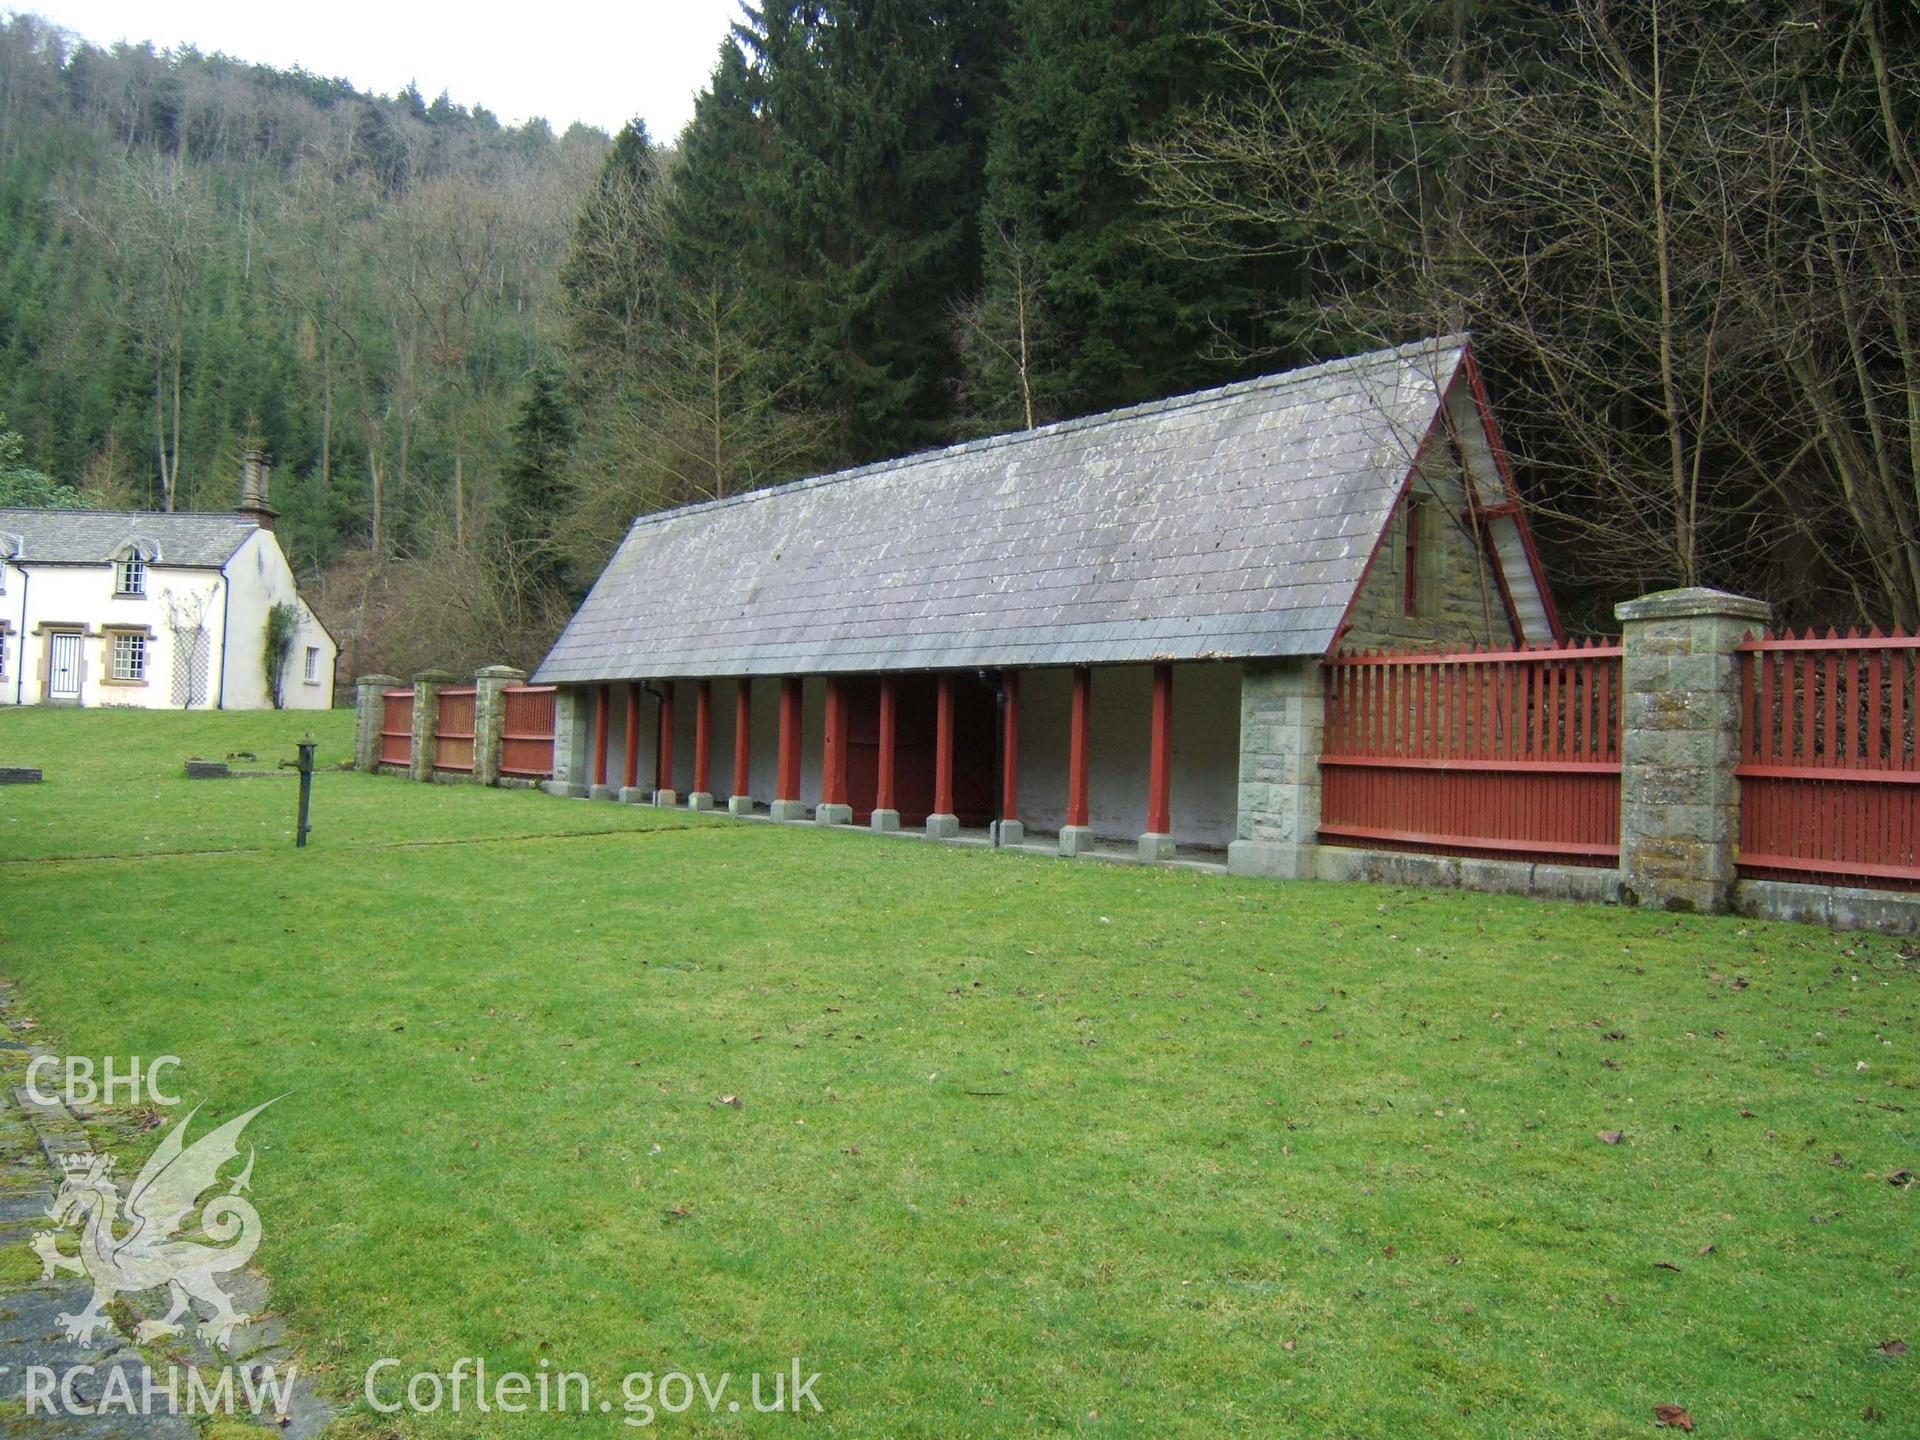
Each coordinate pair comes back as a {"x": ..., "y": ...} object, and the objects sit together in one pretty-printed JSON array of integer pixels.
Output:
[{"x": 130, "y": 575}]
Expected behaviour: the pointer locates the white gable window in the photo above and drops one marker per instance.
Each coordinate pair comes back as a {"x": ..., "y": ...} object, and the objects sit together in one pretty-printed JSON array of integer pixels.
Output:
[
  {"x": 129, "y": 656},
  {"x": 130, "y": 575},
  {"x": 3, "y": 654},
  {"x": 313, "y": 665}
]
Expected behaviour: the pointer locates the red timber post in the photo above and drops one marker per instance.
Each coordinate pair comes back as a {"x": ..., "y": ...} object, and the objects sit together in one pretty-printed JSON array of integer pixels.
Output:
[
  {"x": 602, "y": 716},
  {"x": 1076, "y": 835},
  {"x": 786, "y": 802},
  {"x": 741, "y": 801},
  {"x": 630, "y": 772},
  {"x": 1157, "y": 843},
  {"x": 702, "y": 796},
  {"x": 663, "y": 791},
  {"x": 833, "y": 808},
  {"x": 885, "y": 814},
  {"x": 943, "y": 823},
  {"x": 1008, "y": 830}
]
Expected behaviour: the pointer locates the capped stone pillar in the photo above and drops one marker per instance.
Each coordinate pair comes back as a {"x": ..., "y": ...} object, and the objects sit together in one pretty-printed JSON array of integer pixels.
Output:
[
  {"x": 490, "y": 717},
  {"x": 1680, "y": 720},
  {"x": 427, "y": 686},
  {"x": 369, "y": 712},
  {"x": 572, "y": 741},
  {"x": 1282, "y": 714}
]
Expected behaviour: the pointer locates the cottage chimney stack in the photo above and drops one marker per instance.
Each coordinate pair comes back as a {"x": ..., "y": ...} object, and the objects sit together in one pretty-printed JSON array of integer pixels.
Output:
[{"x": 255, "y": 471}]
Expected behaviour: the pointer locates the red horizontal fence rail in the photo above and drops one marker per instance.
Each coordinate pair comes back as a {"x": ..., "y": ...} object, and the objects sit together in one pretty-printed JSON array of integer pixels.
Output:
[
  {"x": 1829, "y": 784},
  {"x": 526, "y": 734},
  {"x": 1513, "y": 754},
  {"x": 396, "y": 727},
  {"x": 453, "y": 729}
]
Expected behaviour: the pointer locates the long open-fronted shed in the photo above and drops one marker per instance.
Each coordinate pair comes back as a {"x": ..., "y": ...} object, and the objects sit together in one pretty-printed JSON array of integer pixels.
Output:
[{"x": 944, "y": 628}]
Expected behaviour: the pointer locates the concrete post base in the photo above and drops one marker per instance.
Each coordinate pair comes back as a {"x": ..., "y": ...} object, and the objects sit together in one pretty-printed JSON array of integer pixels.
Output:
[
  {"x": 1009, "y": 832},
  {"x": 942, "y": 827},
  {"x": 634, "y": 795},
  {"x": 1154, "y": 847},
  {"x": 1272, "y": 859},
  {"x": 699, "y": 800},
  {"x": 666, "y": 798},
  {"x": 740, "y": 805},
  {"x": 1075, "y": 840},
  {"x": 564, "y": 790},
  {"x": 604, "y": 792},
  {"x": 787, "y": 810},
  {"x": 886, "y": 821},
  {"x": 833, "y": 815}
]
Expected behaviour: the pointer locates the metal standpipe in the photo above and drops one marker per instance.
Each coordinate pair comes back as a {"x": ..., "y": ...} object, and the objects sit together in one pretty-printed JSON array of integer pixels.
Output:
[{"x": 305, "y": 765}]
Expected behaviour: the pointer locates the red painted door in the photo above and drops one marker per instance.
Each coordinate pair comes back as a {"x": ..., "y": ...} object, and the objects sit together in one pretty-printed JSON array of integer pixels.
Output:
[{"x": 975, "y": 722}]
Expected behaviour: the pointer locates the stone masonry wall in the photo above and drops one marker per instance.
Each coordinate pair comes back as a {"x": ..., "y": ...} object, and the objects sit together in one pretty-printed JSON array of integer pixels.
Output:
[
  {"x": 1282, "y": 712},
  {"x": 1466, "y": 606}
]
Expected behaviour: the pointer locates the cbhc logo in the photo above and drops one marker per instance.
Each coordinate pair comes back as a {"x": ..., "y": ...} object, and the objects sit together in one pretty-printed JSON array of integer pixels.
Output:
[{"x": 79, "y": 1087}]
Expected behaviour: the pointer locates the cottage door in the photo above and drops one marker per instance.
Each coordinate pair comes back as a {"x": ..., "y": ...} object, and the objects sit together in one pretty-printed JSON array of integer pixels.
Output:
[{"x": 63, "y": 666}]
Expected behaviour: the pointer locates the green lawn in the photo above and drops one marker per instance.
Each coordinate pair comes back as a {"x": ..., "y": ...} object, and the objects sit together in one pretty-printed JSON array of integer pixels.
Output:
[{"x": 1023, "y": 1147}]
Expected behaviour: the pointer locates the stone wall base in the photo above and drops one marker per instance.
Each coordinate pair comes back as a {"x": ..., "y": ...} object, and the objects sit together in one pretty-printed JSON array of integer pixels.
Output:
[
  {"x": 1890, "y": 912},
  {"x": 1590, "y": 883},
  {"x": 1272, "y": 859}
]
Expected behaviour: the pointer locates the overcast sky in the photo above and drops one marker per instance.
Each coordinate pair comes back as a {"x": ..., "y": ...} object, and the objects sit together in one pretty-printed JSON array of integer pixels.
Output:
[{"x": 565, "y": 59}]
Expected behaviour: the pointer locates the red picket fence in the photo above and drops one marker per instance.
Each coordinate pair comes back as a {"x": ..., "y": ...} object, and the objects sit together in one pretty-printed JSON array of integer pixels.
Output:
[
  {"x": 1829, "y": 779},
  {"x": 526, "y": 737},
  {"x": 453, "y": 729},
  {"x": 1512, "y": 754},
  {"x": 396, "y": 727}
]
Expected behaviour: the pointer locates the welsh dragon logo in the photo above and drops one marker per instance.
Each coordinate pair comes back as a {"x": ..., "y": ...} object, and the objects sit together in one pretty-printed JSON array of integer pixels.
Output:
[{"x": 154, "y": 1251}]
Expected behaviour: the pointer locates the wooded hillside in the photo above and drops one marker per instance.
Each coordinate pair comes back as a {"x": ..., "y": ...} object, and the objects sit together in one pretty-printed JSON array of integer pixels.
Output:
[{"x": 1686, "y": 236}]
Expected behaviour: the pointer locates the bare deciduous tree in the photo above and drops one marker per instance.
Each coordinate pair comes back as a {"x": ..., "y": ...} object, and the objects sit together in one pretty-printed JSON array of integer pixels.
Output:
[{"x": 1684, "y": 234}]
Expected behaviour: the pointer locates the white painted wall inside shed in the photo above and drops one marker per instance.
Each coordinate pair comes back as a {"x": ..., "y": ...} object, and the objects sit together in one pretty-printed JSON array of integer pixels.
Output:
[{"x": 1206, "y": 750}]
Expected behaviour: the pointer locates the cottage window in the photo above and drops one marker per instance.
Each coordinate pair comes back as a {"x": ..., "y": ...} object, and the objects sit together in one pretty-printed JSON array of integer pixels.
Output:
[
  {"x": 3, "y": 654},
  {"x": 130, "y": 656},
  {"x": 131, "y": 576},
  {"x": 313, "y": 665}
]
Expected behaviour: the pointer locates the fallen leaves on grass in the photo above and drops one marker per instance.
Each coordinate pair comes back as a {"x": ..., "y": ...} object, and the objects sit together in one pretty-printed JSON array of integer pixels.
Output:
[
  {"x": 1895, "y": 1348},
  {"x": 1609, "y": 1137},
  {"x": 1674, "y": 1417},
  {"x": 676, "y": 1212},
  {"x": 733, "y": 1100},
  {"x": 1666, "y": 1265}
]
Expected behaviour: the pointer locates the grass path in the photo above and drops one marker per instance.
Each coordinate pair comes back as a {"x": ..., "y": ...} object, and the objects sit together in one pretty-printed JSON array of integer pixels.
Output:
[{"x": 1022, "y": 1148}]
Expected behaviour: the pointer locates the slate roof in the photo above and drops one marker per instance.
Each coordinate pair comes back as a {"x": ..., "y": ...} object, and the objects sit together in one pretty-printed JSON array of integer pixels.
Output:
[
  {"x": 85, "y": 537},
  {"x": 1233, "y": 522}
]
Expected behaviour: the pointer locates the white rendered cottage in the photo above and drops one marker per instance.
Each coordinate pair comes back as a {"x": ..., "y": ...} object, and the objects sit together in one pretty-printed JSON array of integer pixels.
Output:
[{"x": 153, "y": 610}]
